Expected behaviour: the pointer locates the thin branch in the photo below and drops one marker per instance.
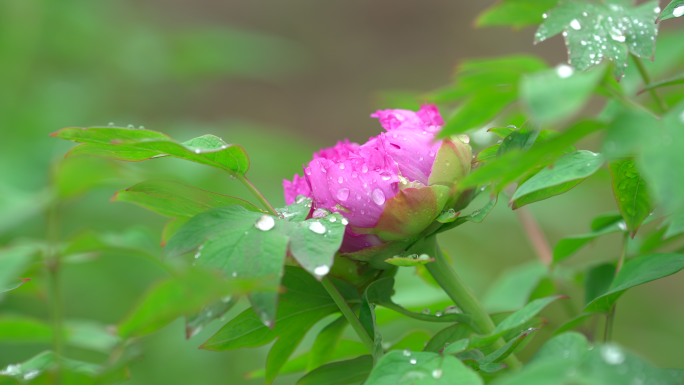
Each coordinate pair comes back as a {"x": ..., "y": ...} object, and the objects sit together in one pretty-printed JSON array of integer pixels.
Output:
[
  {"x": 647, "y": 81},
  {"x": 535, "y": 235}
]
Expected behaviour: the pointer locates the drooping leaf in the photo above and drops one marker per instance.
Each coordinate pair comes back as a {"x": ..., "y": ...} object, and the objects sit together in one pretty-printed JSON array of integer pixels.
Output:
[
  {"x": 194, "y": 323},
  {"x": 631, "y": 193},
  {"x": 135, "y": 145},
  {"x": 326, "y": 343},
  {"x": 421, "y": 368},
  {"x": 304, "y": 303},
  {"x": 594, "y": 31},
  {"x": 565, "y": 174},
  {"x": 674, "y": 9},
  {"x": 175, "y": 297},
  {"x": 176, "y": 199},
  {"x": 350, "y": 372},
  {"x": 558, "y": 93},
  {"x": 597, "y": 281},
  {"x": 636, "y": 272},
  {"x": 515, "y": 13}
]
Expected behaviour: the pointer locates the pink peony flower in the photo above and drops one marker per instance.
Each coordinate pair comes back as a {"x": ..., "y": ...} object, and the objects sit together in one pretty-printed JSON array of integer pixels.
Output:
[{"x": 392, "y": 186}]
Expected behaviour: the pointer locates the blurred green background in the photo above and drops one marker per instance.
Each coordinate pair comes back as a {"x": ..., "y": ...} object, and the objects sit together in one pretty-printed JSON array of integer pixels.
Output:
[{"x": 281, "y": 78}]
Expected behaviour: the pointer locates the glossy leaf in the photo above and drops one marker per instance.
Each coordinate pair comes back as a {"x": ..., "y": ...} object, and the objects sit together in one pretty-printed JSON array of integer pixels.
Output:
[
  {"x": 636, "y": 272},
  {"x": 326, "y": 343},
  {"x": 48, "y": 360},
  {"x": 176, "y": 297},
  {"x": 565, "y": 173},
  {"x": 594, "y": 31},
  {"x": 134, "y": 145},
  {"x": 176, "y": 199},
  {"x": 674, "y": 9},
  {"x": 631, "y": 194},
  {"x": 597, "y": 281},
  {"x": 304, "y": 303},
  {"x": 420, "y": 368},
  {"x": 194, "y": 323},
  {"x": 558, "y": 93},
  {"x": 476, "y": 216},
  {"x": 340, "y": 373},
  {"x": 515, "y": 13}
]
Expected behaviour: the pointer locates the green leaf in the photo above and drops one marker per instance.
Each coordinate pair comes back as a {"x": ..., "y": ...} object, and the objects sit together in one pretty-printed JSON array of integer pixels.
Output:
[
  {"x": 573, "y": 323},
  {"x": 631, "y": 193},
  {"x": 503, "y": 352},
  {"x": 636, "y": 272},
  {"x": 47, "y": 360},
  {"x": 22, "y": 329},
  {"x": 413, "y": 341},
  {"x": 194, "y": 323},
  {"x": 478, "y": 110},
  {"x": 134, "y": 145},
  {"x": 476, "y": 216},
  {"x": 598, "y": 280},
  {"x": 570, "y": 346},
  {"x": 13, "y": 262},
  {"x": 326, "y": 342},
  {"x": 175, "y": 297},
  {"x": 675, "y": 224},
  {"x": 515, "y": 13},
  {"x": 421, "y": 368},
  {"x": 674, "y": 9},
  {"x": 513, "y": 165},
  {"x": 526, "y": 313},
  {"x": 513, "y": 287},
  {"x": 521, "y": 139},
  {"x": 91, "y": 335},
  {"x": 568, "y": 246},
  {"x": 558, "y": 93},
  {"x": 594, "y": 31},
  {"x": 378, "y": 289},
  {"x": 304, "y": 303},
  {"x": 405, "y": 262},
  {"x": 565, "y": 174},
  {"x": 448, "y": 336},
  {"x": 455, "y": 347},
  {"x": 176, "y": 199},
  {"x": 298, "y": 211},
  {"x": 350, "y": 372},
  {"x": 675, "y": 80}
]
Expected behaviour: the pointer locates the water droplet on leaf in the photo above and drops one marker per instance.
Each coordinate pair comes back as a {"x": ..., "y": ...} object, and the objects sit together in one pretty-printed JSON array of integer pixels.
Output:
[
  {"x": 612, "y": 354},
  {"x": 265, "y": 223},
  {"x": 407, "y": 352},
  {"x": 317, "y": 227},
  {"x": 321, "y": 270},
  {"x": 437, "y": 374}
]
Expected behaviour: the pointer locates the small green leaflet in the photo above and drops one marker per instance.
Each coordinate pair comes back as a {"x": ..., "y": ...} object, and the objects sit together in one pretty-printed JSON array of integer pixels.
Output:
[
  {"x": 176, "y": 199},
  {"x": 350, "y": 372},
  {"x": 674, "y": 9},
  {"x": 630, "y": 193},
  {"x": 636, "y": 272},
  {"x": 194, "y": 323},
  {"x": 521, "y": 139},
  {"x": 594, "y": 31},
  {"x": 569, "y": 245},
  {"x": 409, "y": 368},
  {"x": 597, "y": 281},
  {"x": 565, "y": 174},
  {"x": 304, "y": 303},
  {"x": 515, "y": 13},
  {"x": 134, "y": 145},
  {"x": 408, "y": 261}
]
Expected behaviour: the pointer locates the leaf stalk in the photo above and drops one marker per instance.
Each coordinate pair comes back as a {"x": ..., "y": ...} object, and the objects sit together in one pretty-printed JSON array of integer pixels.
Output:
[
  {"x": 348, "y": 313},
  {"x": 647, "y": 81}
]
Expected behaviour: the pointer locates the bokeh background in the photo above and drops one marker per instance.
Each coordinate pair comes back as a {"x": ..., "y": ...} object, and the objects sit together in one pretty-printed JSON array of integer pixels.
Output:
[{"x": 281, "y": 78}]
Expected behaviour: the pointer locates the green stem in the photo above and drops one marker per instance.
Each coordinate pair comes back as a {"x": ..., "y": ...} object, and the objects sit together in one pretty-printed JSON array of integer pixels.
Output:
[
  {"x": 455, "y": 317},
  {"x": 451, "y": 283},
  {"x": 608, "y": 332},
  {"x": 629, "y": 103},
  {"x": 52, "y": 265},
  {"x": 647, "y": 81},
  {"x": 256, "y": 193},
  {"x": 348, "y": 313}
]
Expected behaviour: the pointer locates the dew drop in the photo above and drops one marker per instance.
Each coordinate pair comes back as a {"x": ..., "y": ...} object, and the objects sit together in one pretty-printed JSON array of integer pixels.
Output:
[
  {"x": 308, "y": 171},
  {"x": 364, "y": 169},
  {"x": 320, "y": 213},
  {"x": 545, "y": 16},
  {"x": 197, "y": 151},
  {"x": 130, "y": 126},
  {"x": 564, "y": 71},
  {"x": 452, "y": 310},
  {"x": 321, "y": 270},
  {"x": 413, "y": 361},
  {"x": 575, "y": 25},
  {"x": 678, "y": 11},
  {"x": 425, "y": 311},
  {"x": 317, "y": 227},
  {"x": 111, "y": 124},
  {"x": 341, "y": 166},
  {"x": 340, "y": 179},
  {"x": 437, "y": 374},
  {"x": 378, "y": 197},
  {"x": 234, "y": 274},
  {"x": 343, "y": 193},
  {"x": 385, "y": 175},
  {"x": 333, "y": 219},
  {"x": 612, "y": 354},
  {"x": 432, "y": 153},
  {"x": 438, "y": 313},
  {"x": 300, "y": 199},
  {"x": 354, "y": 174},
  {"x": 407, "y": 352},
  {"x": 345, "y": 221},
  {"x": 141, "y": 128},
  {"x": 31, "y": 374},
  {"x": 265, "y": 223}
]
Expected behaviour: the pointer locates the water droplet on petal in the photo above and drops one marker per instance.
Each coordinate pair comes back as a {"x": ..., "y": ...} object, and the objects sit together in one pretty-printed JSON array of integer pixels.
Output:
[
  {"x": 364, "y": 169},
  {"x": 321, "y": 270},
  {"x": 385, "y": 175},
  {"x": 432, "y": 153},
  {"x": 265, "y": 223},
  {"x": 340, "y": 179},
  {"x": 343, "y": 193},
  {"x": 317, "y": 227},
  {"x": 354, "y": 174},
  {"x": 378, "y": 197},
  {"x": 341, "y": 166}
]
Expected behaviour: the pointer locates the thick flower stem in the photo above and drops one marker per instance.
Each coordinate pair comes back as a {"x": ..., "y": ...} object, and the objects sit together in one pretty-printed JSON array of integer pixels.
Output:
[
  {"x": 451, "y": 283},
  {"x": 256, "y": 193},
  {"x": 348, "y": 313}
]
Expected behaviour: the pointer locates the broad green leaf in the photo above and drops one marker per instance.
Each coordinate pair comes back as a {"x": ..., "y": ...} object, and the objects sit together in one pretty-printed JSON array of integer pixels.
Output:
[
  {"x": 298, "y": 211},
  {"x": 515, "y": 13},
  {"x": 559, "y": 93},
  {"x": 521, "y": 139},
  {"x": 675, "y": 80},
  {"x": 170, "y": 228},
  {"x": 455, "y": 347},
  {"x": 421, "y": 368},
  {"x": 565, "y": 174},
  {"x": 447, "y": 336},
  {"x": 597, "y": 281},
  {"x": 513, "y": 287},
  {"x": 350, "y": 372},
  {"x": 405, "y": 262},
  {"x": 674, "y": 9},
  {"x": 594, "y": 31},
  {"x": 568, "y": 246},
  {"x": 176, "y": 199},
  {"x": 326, "y": 343},
  {"x": 513, "y": 165},
  {"x": 22, "y": 329},
  {"x": 13, "y": 262},
  {"x": 194, "y": 323},
  {"x": 636, "y": 272},
  {"x": 304, "y": 303},
  {"x": 134, "y": 145},
  {"x": 630, "y": 193},
  {"x": 175, "y": 297}
]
